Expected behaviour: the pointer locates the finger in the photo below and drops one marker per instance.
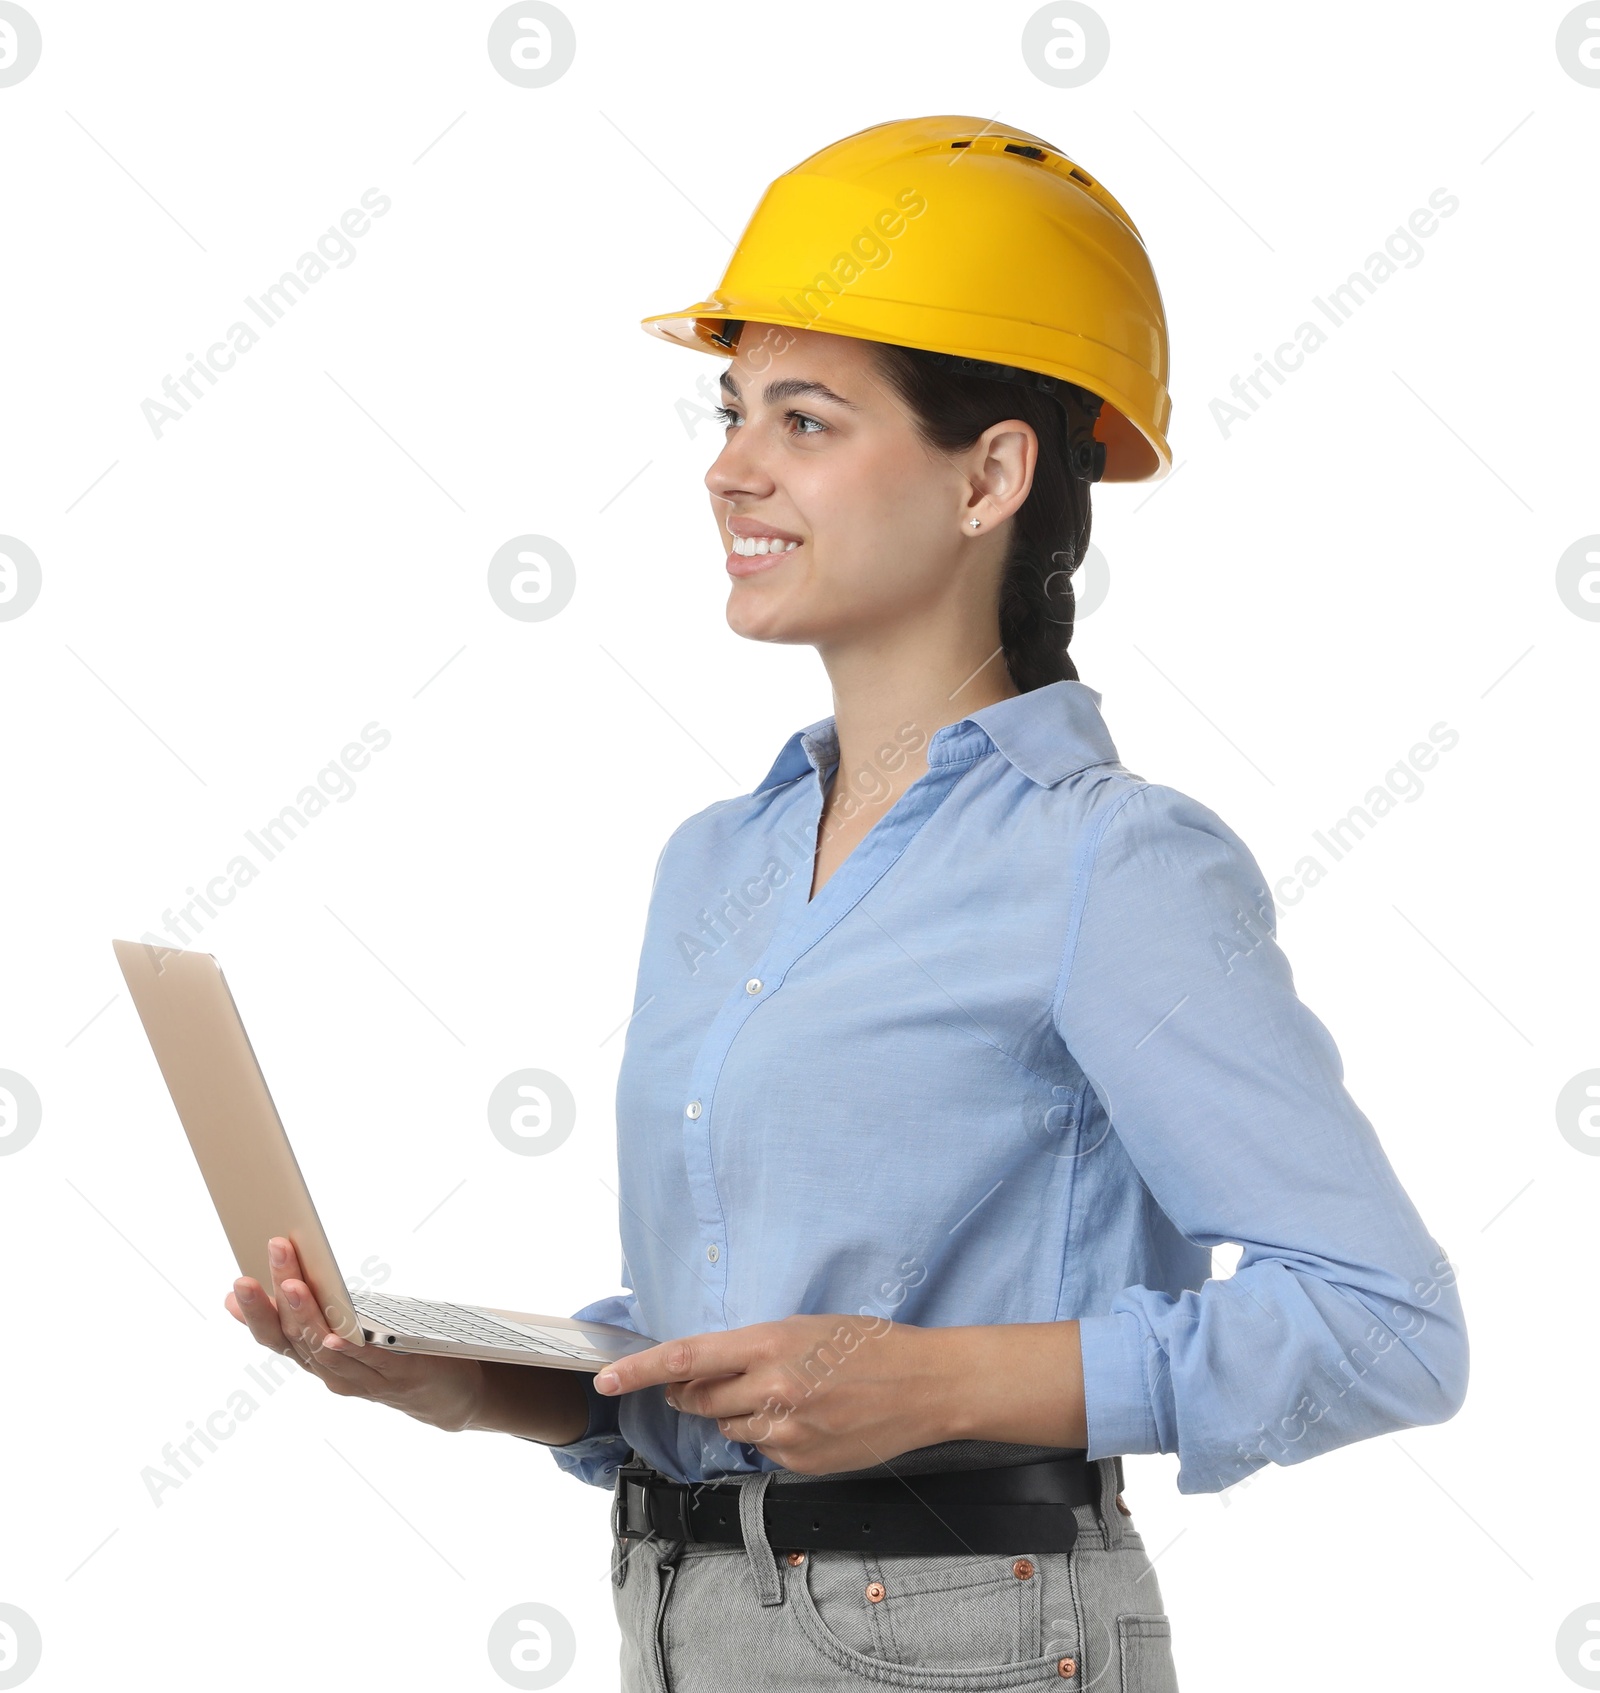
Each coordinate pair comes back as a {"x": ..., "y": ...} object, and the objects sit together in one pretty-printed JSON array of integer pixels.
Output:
[
  {"x": 251, "y": 1306},
  {"x": 720, "y": 1396},
  {"x": 260, "y": 1316},
  {"x": 744, "y": 1431},
  {"x": 322, "y": 1352},
  {"x": 297, "y": 1306},
  {"x": 761, "y": 1426},
  {"x": 298, "y": 1316},
  {"x": 722, "y": 1352},
  {"x": 344, "y": 1362},
  {"x": 247, "y": 1289}
]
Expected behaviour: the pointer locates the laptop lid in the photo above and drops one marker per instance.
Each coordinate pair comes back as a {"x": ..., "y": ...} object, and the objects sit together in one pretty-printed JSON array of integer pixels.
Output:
[{"x": 227, "y": 1112}]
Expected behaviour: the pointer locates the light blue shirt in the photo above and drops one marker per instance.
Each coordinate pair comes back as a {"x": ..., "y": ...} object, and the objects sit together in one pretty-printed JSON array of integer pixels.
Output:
[{"x": 1030, "y": 1054}]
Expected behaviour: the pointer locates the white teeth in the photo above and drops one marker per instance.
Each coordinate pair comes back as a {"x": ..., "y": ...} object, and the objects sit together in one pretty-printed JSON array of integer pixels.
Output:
[{"x": 761, "y": 545}]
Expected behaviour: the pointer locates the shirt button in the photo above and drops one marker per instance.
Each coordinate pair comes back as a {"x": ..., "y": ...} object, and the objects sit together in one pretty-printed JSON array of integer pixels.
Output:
[
  {"x": 711, "y": 1253},
  {"x": 694, "y": 1108},
  {"x": 753, "y": 986}
]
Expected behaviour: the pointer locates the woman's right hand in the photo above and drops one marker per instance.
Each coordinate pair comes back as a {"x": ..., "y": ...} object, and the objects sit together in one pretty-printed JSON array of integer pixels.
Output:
[{"x": 445, "y": 1392}]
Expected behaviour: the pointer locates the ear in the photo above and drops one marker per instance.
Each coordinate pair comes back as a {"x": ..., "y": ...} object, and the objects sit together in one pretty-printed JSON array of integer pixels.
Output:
[{"x": 1002, "y": 475}]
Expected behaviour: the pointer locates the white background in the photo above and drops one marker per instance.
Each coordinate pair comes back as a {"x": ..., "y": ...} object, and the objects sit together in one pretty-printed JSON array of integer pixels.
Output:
[{"x": 224, "y": 607}]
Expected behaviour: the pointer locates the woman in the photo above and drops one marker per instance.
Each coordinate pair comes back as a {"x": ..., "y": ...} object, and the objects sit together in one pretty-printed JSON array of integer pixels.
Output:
[{"x": 958, "y": 1045}]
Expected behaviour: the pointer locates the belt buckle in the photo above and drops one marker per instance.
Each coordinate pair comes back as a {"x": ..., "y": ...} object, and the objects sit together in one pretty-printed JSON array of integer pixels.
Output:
[
  {"x": 643, "y": 1490},
  {"x": 632, "y": 1495}
]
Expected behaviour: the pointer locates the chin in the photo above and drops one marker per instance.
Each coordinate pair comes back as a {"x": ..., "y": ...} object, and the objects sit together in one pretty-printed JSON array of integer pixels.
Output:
[{"x": 774, "y": 623}]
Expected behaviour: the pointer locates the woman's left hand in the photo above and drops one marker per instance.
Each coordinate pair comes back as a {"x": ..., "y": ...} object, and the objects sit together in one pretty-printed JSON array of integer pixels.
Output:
[{"x": 816, "y": 1394}]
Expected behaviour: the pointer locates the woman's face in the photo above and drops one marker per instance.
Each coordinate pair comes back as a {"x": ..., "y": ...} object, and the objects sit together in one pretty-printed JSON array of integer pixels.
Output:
[{"x": 821, "y": 450}]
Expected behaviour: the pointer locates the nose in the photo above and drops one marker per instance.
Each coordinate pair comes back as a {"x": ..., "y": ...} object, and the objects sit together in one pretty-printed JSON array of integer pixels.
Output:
[{"x": 738, "y": 471}]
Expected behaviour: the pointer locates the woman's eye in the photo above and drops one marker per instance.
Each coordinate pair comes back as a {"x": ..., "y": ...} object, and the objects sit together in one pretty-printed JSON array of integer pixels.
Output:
[{"x": 726, "y": 416}]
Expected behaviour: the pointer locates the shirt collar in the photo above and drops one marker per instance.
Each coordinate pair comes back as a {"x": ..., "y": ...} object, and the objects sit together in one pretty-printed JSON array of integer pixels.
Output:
[{"x": 1048, "y": 733}]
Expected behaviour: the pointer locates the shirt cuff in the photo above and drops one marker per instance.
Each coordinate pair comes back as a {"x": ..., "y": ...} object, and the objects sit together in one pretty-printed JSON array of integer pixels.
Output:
[
  {"x": 603, "y": 1409},
  {"x": 1116, "y": 1392}
]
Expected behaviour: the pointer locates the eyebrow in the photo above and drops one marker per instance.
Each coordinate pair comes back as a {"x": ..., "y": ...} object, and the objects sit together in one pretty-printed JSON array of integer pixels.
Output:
[{"x": 793, "y": 387}]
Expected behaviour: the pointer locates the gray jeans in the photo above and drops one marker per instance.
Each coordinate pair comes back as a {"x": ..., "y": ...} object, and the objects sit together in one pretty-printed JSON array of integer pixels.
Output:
[{"x": 727, "y": 1619}]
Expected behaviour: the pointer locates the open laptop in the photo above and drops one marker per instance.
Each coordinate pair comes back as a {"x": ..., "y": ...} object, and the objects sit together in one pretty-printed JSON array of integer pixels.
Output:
[{"x": 239, "y": 1142}]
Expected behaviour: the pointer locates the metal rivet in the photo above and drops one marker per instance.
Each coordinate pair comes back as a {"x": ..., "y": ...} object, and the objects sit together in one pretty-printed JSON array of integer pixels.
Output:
[
  {"x": 797, "y": 1558},
  {"x": 874, "y": 1591},
  {"x": 1022, "y": 1569},
  {"x": 1067, "y": 1668}
]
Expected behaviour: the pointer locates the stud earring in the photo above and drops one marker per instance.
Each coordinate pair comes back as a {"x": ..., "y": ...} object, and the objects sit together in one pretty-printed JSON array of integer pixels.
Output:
[{"x": 972, "y": 522}]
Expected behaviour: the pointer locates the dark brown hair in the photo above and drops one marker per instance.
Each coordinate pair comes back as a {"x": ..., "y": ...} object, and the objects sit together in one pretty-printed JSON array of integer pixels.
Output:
[{"x": 951, "y": 408}]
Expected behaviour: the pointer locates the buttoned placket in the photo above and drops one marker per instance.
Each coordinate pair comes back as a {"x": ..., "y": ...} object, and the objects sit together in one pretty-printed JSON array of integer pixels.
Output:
[{"x": 802, "y": 923}]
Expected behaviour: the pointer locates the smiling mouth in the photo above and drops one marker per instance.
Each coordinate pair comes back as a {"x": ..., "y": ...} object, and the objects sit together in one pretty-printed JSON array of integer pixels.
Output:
[
  {"x": 762, "y": 546},
  {"x": 755, "y": 563}
]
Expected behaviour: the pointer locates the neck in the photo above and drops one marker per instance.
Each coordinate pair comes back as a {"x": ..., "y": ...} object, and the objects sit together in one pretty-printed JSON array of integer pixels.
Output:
[{"x": 888, "y": 707}]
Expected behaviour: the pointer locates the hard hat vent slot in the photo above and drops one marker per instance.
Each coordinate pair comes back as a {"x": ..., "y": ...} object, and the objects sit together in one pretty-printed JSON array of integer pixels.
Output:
[{"x": 1026, "y": 152}]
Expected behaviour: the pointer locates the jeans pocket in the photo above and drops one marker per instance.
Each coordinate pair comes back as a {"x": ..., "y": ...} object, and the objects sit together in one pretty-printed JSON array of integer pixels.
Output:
[
  {"x": 1126, "y": 1633},
  {"x": 1144, "y": 1652},
  {"x": 975, "y": 1613}
]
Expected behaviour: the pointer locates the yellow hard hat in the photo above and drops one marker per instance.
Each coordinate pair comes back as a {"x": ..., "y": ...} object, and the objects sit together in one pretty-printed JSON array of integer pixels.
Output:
[{"x": 987, "y": 245}]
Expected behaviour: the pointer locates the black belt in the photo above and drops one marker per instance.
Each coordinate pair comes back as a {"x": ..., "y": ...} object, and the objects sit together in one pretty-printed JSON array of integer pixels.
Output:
[{"x": 1015, "y": 1508}]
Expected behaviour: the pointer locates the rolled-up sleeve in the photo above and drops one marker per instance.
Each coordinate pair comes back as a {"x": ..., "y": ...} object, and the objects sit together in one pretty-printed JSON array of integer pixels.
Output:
[{"x": 1342, "y": 1319}]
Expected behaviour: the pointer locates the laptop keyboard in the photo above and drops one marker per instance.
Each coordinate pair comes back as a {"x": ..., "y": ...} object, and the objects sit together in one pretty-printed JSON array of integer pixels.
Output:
[{"x": 460, "y": 1322}]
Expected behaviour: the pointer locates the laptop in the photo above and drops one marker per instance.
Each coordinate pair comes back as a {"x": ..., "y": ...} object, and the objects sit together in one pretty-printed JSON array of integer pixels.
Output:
[{"x": 244, "y": 1154}]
